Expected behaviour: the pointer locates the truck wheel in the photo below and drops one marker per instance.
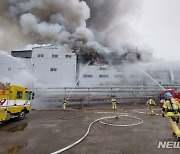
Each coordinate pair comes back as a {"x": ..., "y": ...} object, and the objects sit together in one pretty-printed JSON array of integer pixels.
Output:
[{"x": 21, "y": 115}]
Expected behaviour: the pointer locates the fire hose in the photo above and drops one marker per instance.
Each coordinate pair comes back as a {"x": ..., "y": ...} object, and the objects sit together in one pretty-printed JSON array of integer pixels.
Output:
[
  {"x": 100, "y": 120},
  {"x": 140, "y": 111}
]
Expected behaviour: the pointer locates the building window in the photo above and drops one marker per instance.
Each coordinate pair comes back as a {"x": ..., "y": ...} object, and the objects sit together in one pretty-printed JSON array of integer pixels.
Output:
[
  {"x": 40, "y": 55},
  {"x": 87, "y": 76},
  {"x": 54, "y": 56},
  {"x": 118, "y": 76},
  {"x": 19, "y": 94},
  {"x": 53, "y": 69},
  {"x": 9, "y": 69},
  {"x": 68, "y": 56},
  {"x": 103, "y": 76}
]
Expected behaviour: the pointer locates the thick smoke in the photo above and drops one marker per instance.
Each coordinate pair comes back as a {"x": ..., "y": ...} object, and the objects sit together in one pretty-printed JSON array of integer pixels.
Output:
[
  {"x": 42, "y": 21},
  {"x": 79, "y": 23},
  {"x": 110, "y": 22}
]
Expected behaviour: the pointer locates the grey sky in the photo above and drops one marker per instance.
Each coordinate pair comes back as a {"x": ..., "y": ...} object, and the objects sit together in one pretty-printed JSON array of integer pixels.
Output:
[{"x": 159, "y": 27}]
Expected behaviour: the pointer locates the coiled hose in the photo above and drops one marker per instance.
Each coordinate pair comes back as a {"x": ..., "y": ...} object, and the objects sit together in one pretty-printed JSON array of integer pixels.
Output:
[{"x": 99, "y": 120}]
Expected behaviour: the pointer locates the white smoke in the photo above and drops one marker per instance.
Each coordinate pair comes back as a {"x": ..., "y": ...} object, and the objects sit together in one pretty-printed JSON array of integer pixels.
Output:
[
  {"x": 99, "y": 48},
  {"x": 63, "y": 22},
  {"x": 83, "y": 34},
  {"x": 42, "y": 21},
  {"x": 45, "y": 30},
  {"x": 110, "y": 21},
  {"x": 15, "y": 75}
]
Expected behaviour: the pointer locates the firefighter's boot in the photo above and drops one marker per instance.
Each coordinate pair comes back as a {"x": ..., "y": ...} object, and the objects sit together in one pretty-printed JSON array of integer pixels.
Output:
[
  {"x": 151, "y": 110},
  {"x": 115, "y": 107},
  {"x": 64, "y": 106},
  {"x": 175, "y": 128}
]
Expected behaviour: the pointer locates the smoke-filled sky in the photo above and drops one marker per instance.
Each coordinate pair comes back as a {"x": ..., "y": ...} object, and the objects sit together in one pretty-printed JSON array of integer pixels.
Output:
[
  {"x": 159, "y": 26},
  {"x": 65, "y": 21},
  {"x": 151, "y": 25}
]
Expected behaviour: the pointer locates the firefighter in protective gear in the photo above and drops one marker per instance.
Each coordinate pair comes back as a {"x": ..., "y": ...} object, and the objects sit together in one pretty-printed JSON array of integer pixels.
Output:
[
  {"x": 171, "y": 108},
  {"x": 151, "y": 104},
  {"x": 64, "y": 104},
  {"x": 113, "y": 102}
]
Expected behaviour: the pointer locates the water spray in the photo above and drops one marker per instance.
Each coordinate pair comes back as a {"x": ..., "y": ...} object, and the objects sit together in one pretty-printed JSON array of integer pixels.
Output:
[
  {"x": 78, "y": 80},
  {"x": 149, "y": 77}
]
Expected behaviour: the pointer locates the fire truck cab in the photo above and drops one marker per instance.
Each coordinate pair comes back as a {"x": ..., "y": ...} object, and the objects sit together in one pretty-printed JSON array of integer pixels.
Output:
[
  {"x": 174, "y": 93},
  {"x": 15, "y": 101}
]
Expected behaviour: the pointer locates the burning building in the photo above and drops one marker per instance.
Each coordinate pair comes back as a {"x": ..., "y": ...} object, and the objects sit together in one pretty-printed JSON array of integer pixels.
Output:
[
  {"x": 84, "y": 32},
  {"x": 57, "y": 66}
]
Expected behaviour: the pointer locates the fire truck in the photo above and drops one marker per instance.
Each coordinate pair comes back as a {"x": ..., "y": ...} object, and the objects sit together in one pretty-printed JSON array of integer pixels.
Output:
[
  {"x": 15, "y": 101},
  {"x": 174, "y": 93}
]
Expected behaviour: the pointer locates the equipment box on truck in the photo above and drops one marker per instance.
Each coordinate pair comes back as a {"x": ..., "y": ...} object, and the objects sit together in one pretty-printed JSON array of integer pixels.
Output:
[{"x": 15, "y": 101}]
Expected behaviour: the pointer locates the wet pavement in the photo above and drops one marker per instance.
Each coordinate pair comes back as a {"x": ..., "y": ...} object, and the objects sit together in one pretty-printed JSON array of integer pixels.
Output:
[{"x": 47, "y": 131}]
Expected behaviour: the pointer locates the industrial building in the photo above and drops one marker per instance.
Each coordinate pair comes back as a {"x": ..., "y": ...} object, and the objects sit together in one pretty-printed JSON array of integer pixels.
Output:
[{"x": 56, "y": 66}]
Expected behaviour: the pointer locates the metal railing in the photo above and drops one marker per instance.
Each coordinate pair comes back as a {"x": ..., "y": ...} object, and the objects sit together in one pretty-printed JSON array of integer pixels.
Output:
[{"x": 99, "y": 93}]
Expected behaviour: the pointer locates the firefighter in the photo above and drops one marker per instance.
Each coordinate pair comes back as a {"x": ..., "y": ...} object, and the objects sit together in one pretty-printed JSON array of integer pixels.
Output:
[
  {"x": 151, "y": 104},
  {"x": 113, "y": 102},
  {"x": 171, "y": 109},
  {"x": 64, "y": 104}
]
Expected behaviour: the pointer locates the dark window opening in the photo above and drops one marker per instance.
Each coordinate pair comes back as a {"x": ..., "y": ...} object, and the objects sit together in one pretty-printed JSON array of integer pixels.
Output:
[
  {"x": 87, "y": 76},
  {"x": 53, "y": 69},
  {"x": 40, "y": 55},
  {"x": 19, "y": 94},
  {"x": 68, "y": 56},
  {"x": 54, "y": 56},
  {"x": 103, "y": 76}
]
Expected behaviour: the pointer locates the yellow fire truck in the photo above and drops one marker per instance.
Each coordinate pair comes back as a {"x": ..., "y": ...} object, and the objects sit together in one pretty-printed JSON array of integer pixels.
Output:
[{"x": 15, "y": 101}]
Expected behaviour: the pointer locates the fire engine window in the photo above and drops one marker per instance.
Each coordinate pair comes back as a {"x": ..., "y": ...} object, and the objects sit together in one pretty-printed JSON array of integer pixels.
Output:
[
  {"x": 28, "y": 95},
  {"x": 19, "y": 94}
]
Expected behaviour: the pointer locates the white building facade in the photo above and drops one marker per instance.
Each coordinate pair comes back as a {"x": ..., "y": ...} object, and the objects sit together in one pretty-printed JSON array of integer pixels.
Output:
[
  {"x": 56, "y": 66},
  {"x": 50, "y": 66}
]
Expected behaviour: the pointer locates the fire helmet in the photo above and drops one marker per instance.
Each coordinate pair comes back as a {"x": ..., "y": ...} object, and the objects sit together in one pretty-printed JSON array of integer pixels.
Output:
[{"x": 167, "y": 95}]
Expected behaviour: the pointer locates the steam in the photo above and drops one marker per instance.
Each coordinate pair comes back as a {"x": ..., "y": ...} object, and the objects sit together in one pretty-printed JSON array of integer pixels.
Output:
[{"x": 15, "y": 76}]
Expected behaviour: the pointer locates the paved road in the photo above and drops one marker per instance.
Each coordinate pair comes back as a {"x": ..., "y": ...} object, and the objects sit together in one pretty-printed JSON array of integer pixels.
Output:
[{"x": 43, "y": 132}]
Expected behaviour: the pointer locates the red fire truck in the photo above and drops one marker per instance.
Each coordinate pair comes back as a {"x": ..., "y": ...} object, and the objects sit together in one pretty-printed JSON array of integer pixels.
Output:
[{"x": 175, "y": 94}]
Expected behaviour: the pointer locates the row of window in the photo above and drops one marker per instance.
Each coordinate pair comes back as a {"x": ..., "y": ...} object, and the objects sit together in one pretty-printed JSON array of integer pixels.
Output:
[
  {"x": 51, "y": 69},
  {"x": 102, "y": 76},
  {"x": 19, "y": 95},
  {"x": 53, "y": 56},
  {"x": 88, "y": 75}
]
